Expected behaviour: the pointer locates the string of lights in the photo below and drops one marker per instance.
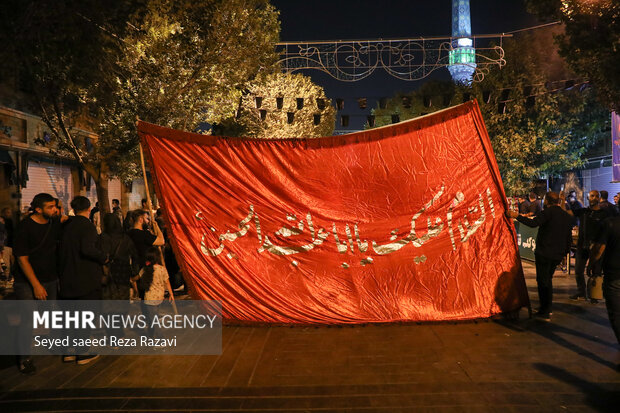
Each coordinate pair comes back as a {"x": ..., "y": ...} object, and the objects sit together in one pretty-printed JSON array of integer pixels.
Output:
[
  {"x": 551, "y": 87},
  {"x": 530, "y": 93},
  {"x": 363, "y": 101}
]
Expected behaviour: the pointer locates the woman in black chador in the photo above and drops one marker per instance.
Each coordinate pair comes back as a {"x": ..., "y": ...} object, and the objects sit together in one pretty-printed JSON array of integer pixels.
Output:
[{"x": 123, "y": 259}]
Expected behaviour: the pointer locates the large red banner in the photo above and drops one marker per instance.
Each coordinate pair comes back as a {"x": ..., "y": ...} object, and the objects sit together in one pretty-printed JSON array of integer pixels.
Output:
[{"x": 400, "y": 223}]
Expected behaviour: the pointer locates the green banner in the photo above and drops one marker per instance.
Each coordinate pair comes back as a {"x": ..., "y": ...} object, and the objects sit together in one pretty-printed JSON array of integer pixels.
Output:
[{"x": 526, "y": 239}]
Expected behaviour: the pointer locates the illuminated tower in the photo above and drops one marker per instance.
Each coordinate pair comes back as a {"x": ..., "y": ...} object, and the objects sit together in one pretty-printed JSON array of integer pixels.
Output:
[{"x": 462, "y": 59}]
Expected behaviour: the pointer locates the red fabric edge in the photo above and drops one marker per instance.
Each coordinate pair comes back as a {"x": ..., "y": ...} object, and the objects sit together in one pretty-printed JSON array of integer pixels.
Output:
[
  {"x": 145, "y": 129},
  {"x": 191, "y": 289},
  {"x": 492, "y": 162}
]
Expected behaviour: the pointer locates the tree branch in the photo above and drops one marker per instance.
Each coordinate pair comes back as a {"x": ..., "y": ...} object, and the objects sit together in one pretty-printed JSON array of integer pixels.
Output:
[{"x": 65, "y": 132}]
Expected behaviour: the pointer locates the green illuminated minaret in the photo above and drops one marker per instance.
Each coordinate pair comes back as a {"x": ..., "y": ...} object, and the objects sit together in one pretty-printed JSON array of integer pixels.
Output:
[{"x": 463, "y": 56}]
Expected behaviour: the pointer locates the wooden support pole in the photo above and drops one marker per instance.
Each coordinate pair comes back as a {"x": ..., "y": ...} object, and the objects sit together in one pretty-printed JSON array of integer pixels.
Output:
[
  {"x": 146, "y": 185},
  {"x": 150, "y": 207}
]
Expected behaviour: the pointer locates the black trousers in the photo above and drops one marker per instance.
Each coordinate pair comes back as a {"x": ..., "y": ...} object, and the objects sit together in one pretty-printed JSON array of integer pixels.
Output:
[
  {"x": 581, "y": 260},
  {"x": 82, "y": 333},
  {"x": 545, "y": 267}
]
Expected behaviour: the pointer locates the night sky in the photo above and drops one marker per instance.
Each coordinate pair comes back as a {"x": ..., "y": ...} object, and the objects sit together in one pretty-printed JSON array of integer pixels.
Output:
[{"x": 362, "y": 19}]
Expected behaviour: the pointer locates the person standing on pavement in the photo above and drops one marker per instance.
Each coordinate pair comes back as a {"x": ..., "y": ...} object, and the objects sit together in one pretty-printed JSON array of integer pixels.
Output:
[
  {"x": 95, "y": 217},
  {"x": 564, "y": 205},
  {"x": 123, "y": 259},
  {"x": 607, "y": 248},
  {"x": 81, "y": 262},
  {"x": 523, "y": 204},
  {"x": 572, "y": 202},
  {"x": 93, "y": 211},
  {"x": 6, "y": 257},
  {"x": 116, "y": 210},
  {"x": 552, "y": 244},
  {"x": 81, "y": 259},
  {"x": 153, "y": 279},
  {"x": 606, "y": 205},
  {"x": 7, "y": 217},
  {"x": 142, "y": 237},
  {"x": 36, "y": 248},
  {"x": 590, "y": 220},
  {"x": 534, "y": 206}
]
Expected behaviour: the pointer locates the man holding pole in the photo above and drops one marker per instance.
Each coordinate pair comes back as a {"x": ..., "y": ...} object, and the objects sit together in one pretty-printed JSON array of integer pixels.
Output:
[
  {"x": 552, "y": 244},
  {"x": 141, "y": 236}
]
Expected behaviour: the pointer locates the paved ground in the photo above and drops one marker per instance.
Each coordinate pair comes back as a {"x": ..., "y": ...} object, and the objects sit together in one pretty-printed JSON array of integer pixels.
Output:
[{"x": 568, "y": 365}]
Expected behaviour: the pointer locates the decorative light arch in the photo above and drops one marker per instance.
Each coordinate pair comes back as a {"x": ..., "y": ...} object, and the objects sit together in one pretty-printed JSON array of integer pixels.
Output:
[{"x": 405, "y": 59}]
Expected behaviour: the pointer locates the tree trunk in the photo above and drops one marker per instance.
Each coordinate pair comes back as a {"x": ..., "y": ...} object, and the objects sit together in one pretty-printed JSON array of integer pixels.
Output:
[
  {"x": 102, "y": 185},
  {"x": 100, "y": 176},
  {"x": 125, "y": 195}
]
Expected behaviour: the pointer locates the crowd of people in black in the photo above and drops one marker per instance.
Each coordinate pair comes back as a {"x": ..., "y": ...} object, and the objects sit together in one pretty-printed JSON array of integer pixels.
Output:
[
  {"x": 83, "y": 256},
  {"x": 597, "y": 250}
]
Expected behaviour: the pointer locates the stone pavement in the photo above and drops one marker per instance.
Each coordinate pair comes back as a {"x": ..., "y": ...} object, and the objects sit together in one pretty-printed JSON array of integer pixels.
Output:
[{"x": 568, "y": 365}]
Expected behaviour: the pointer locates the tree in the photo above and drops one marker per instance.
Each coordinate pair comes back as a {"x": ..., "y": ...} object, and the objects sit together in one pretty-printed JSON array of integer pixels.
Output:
[
  {"x": 186, "y": 62},
  {"x": 100, "y": 65},
  {"x": 58, "y": 53},
  {"x": 536, "y": 126},
  {"x": 305, "y": 112},
  {"x": 590, "y": 43},
  {"x": 430, "y": 97}
]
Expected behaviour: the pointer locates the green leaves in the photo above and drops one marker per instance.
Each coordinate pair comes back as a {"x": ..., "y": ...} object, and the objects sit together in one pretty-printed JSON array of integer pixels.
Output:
[
  {"x": 186, "y": 63},
  {"x": 288, "y": 87},
  {"x": 545, "y": 137},
  {"x": 99, "y": 65},
  {"x": 590, "y": 43}
]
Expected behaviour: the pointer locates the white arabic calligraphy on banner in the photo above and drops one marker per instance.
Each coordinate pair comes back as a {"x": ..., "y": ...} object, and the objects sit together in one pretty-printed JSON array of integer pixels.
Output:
[{"x": 465, "y": 231}]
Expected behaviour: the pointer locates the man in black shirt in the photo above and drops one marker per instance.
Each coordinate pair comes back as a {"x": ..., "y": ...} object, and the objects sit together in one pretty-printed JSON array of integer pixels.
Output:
[
  {"x": 606, "y": 205},
  {"x": 35, "y": 248},
  {"x": 607, "y": 246},
  {"x": 552, "y": 244},
  {"x": 81, "y": 263},
  {"x": 590, "y": 220},
  {"x": 141, "y": 236},
  {"x": 81, "y": 260},
  {"x": 524, "y": 205},
  {"x": 36, "y": 241},
  {"x": 534, "y": 206}
]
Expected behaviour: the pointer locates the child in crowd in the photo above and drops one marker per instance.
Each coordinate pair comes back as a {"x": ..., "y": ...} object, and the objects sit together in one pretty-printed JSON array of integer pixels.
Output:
[{"x": 153, "y": 281}]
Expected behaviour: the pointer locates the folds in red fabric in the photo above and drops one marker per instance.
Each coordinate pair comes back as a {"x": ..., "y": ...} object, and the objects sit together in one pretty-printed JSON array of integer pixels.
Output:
[{"x": 400, "y": 223}]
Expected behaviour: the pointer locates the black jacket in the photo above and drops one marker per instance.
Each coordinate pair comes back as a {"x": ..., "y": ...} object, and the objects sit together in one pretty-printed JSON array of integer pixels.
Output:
[
  {"x": 610, "y": 208},
  {"x": 80, "y": 259},
  {"x": 555, "y": 233},
  {"x": 590, "y": 224}
]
